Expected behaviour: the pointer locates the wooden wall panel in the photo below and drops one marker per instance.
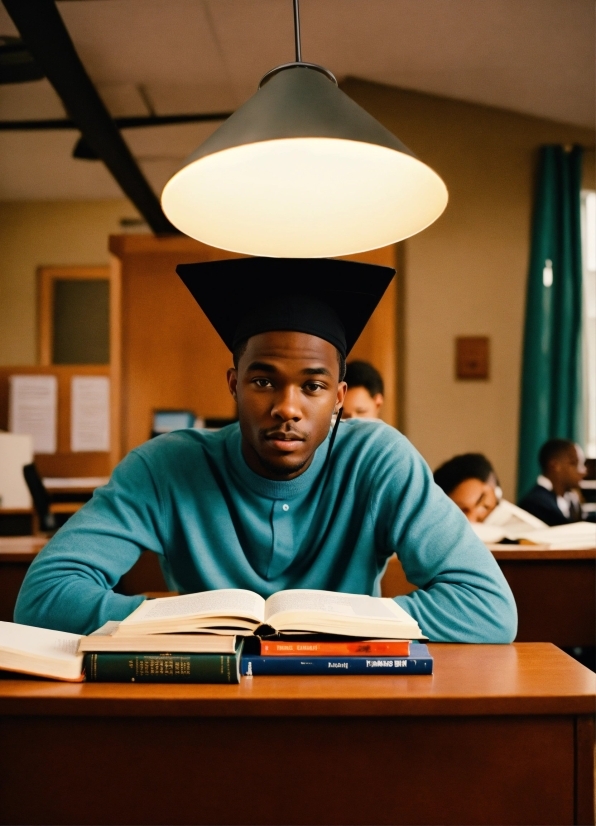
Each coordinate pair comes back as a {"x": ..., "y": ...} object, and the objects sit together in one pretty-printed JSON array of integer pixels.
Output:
[
  {"x": 172, "y": 357},
  {"x": 378, "y": 342},
  {"x": 64, "y": 462}
]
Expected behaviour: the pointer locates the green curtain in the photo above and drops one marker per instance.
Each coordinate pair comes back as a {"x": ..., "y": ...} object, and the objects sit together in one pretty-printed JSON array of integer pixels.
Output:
[{"x": 551, "y": 393}]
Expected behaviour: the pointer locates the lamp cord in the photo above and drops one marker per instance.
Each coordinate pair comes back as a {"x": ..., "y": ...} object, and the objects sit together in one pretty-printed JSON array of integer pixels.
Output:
[
  {"x": 297, "y": 31},
  {"x": 298, "y": 61}
]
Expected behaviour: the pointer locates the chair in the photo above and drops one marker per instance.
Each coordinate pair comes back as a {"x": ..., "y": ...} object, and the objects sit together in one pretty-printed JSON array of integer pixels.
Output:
[{"x": 50, "y": 515}]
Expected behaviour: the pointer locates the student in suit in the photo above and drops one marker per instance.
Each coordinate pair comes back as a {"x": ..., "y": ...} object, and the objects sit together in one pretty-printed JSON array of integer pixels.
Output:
[
  {"x": 553, "y": 498},
  {"x": 364, "y": 396}
]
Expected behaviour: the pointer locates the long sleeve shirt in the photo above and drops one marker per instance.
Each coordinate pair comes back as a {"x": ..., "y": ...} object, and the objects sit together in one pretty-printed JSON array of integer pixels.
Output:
[{"x": 191, "y": 498}]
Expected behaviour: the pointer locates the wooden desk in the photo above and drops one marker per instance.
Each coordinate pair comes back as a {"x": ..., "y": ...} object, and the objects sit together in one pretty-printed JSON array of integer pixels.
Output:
[
  {"x": 499, "y": 735},
  {"x": 555, "y": 592},
  {"x": 16, "y": 554},
  {"x": 13, "y": 521},
  {"x": 80, "y": 485}
]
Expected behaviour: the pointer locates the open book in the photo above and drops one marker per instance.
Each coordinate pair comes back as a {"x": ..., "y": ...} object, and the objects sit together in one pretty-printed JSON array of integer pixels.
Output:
[
  {"x": 507, "y": 521},
  {"x": 40, "y": 651},
  {"x": 237, "y": 611},
  {"x": 575, "y": 536}
]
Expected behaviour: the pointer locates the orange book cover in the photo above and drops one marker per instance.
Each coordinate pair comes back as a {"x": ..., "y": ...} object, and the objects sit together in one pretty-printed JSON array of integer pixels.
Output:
[{"x": 359, "y": 648}]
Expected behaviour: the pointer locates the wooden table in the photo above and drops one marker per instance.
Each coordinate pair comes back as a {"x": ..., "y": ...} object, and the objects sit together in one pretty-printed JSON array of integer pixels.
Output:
[
  {"x": 555, "y": 592},
  {"x": 68, "y": 485},
  {"x": 17, "y": 521},
  {"x": 16, "y": 554},
  {"x": 499, "y": 735}
]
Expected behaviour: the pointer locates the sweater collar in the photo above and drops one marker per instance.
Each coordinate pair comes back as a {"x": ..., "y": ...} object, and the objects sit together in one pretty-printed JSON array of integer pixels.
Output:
[{"x": 272, "y": 488}]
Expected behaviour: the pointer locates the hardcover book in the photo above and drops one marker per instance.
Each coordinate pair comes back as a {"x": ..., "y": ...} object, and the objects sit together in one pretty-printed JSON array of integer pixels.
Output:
[
  {"x": 312, "y": 648},
  {"x": 118, "y": 667},
  {"x": 237, "y": 611},
  {"x": 418, "y": 662}
]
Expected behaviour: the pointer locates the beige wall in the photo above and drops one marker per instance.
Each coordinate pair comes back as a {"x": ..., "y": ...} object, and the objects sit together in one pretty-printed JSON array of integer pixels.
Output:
[
  {"x": 34, "y": 234},
  {"x": 466, "y": 274}
]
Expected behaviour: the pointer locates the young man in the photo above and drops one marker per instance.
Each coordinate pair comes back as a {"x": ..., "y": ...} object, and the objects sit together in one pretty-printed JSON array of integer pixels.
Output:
[
  {"x": 364, "y": 396},
  {"x": 277, "y": 501},
  {"x": 553, "y": 499}
]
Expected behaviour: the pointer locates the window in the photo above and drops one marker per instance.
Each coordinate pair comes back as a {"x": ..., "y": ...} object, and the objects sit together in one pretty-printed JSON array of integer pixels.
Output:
[{"x": 588, "y": 215}]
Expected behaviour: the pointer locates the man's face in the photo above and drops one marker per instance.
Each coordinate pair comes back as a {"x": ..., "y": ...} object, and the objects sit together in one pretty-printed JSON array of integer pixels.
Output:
[
  {"x": 287, "y": 387},
  {"x": 359, "y": 404},
  {"x": 475, "y": 498},
  {"x": 568, "y": 469}
]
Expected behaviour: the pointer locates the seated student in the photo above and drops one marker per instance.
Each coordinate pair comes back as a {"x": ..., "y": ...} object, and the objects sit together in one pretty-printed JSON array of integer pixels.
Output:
[
  {"x": 364, "y": 396},
  {"x": 278, "y": 500},
  {"x": 470, "y": 480},
  {"x": 553, "y": 498}
]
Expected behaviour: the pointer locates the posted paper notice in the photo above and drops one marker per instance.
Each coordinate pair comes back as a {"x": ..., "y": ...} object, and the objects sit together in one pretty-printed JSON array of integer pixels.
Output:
[
  {"x": 90, "y": 413},
  {"x": 33, "y": 409}
]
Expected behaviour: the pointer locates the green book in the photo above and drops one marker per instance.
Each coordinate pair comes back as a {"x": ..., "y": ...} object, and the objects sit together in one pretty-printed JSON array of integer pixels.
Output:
[{"x": 117, "y": 667}]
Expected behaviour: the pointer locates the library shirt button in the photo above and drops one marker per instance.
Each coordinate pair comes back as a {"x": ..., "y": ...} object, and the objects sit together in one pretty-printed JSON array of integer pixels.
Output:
[{"x": 285, "y": 507}]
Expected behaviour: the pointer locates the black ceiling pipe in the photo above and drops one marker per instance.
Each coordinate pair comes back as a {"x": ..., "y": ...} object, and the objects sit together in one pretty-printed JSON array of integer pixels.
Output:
[
  {"x": 129, "y": 122},
  {"x": 43, "y": 31}
]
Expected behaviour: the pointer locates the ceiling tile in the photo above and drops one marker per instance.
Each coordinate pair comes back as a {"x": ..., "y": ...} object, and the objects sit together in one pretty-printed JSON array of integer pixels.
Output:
[
  {"x": 171, "y": 142},
  {"x": 122, "y": 99},
  {"x": 30, "y": 101},
  {"x": 38, "y": 166}
]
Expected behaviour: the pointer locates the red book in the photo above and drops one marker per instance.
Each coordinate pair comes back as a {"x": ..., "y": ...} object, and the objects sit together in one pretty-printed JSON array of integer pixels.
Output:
[{"x": 358, "y": 648}]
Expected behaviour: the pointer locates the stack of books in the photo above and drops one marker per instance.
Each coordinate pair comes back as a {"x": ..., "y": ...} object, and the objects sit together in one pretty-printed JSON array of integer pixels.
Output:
[
  {"x": 217, "y": 636},
  {"x": 338, "y": 657}
]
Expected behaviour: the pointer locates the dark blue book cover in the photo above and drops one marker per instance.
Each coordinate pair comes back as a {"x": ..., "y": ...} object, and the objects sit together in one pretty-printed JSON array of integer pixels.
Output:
[{"x": 419, "y": 662}]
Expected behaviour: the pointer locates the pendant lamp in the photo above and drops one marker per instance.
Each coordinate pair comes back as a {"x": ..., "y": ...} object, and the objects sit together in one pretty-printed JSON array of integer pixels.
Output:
[{"x": 301, "y": 171}]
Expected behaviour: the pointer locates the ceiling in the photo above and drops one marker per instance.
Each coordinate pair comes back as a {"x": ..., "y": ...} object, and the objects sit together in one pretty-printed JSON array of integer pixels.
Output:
[{"x": 197, "y": 56}]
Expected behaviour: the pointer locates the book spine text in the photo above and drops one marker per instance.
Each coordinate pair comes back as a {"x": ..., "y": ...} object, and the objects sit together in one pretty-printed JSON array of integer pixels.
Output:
[
  {"x": 255, "y": 665},
  {"x": 111, "y": 667},
  {"x": 335, "y": 649}
]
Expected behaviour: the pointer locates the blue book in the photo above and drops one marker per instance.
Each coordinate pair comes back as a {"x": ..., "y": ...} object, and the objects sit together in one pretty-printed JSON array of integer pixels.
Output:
[{"x": 419, "y": 662}]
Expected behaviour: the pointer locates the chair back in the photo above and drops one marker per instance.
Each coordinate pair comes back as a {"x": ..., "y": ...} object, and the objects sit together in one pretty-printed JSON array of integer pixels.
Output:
[{"x": 40, "y": 496}]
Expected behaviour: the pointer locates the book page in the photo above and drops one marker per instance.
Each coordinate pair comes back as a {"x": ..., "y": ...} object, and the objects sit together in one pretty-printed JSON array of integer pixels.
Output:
[
  {"x": 227, "y": 602},
  {"x": 38, "y": 642},
  {"x": 330, "y": 602},
  {"x": 574, "y": 535}
]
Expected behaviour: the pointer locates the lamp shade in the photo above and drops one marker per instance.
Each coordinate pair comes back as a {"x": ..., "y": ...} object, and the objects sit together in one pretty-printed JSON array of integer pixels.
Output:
[{"x": 302, "y": 171}]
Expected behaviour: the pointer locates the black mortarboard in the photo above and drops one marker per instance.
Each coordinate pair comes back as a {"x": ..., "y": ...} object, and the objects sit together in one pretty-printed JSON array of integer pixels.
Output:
[{"x": 324, "y": 297}]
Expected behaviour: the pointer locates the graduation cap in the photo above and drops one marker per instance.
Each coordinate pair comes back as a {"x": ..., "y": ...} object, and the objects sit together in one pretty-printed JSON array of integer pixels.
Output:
[{"x": 323, "y": 297}]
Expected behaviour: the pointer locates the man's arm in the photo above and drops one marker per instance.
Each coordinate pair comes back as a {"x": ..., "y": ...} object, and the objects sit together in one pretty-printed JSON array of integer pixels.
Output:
[
  {"x": 463, "y": 595},
  {"x": 69, "y": 585}
]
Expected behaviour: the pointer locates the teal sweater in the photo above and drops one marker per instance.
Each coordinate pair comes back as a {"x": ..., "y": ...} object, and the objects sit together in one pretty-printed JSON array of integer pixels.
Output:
[{"x": 190, "y": 497}]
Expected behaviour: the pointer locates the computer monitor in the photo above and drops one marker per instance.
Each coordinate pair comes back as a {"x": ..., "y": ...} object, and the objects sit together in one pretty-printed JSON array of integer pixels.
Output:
[{"x": 164, "y": 421}]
